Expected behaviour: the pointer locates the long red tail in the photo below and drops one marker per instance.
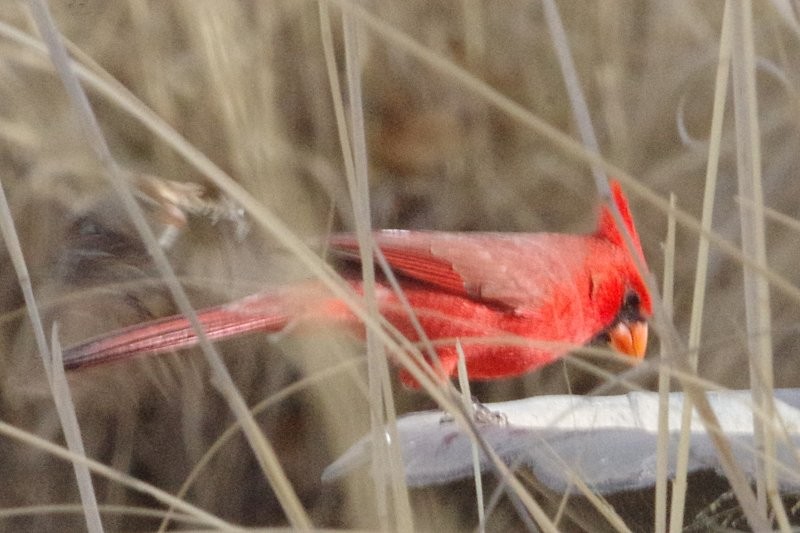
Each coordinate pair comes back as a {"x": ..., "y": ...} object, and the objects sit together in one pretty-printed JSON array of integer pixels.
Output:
[{"x": 175, "y": 332}]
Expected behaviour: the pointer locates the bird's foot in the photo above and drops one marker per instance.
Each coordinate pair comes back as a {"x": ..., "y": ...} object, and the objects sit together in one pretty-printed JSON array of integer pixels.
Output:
[
  {"x": 480, "y": 414},
  {"x": 483, "y": 415}
]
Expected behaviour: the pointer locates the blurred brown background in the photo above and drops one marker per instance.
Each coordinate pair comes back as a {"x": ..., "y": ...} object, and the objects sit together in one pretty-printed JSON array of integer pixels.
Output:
[{"x": 245, "y": 83}]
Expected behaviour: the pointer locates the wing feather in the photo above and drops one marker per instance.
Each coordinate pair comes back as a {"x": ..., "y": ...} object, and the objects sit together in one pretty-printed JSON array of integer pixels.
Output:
[
  {"x": 408, "y": 252},
  {"x": 510, "y": 269}
]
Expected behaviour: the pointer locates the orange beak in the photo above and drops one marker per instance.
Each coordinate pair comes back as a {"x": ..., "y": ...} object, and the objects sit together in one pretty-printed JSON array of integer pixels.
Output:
[{"x": 629, "y": 338}]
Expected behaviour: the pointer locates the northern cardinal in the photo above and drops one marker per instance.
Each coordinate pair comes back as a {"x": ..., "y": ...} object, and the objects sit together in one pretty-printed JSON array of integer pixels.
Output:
[{"x": 534, "y": 294}]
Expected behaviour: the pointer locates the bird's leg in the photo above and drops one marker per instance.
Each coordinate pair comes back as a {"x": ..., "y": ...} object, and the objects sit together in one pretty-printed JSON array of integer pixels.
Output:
[
  {"x": 483, "y": 415},
  {"x": 480, "y": 414}
]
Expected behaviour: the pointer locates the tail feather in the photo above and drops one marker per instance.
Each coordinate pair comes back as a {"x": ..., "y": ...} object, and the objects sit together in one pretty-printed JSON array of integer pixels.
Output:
[{"x": 171, "y": 333}]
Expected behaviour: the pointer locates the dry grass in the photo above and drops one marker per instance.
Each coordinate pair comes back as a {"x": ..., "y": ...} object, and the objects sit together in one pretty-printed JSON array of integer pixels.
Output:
[{"x": 245, "y": 85}]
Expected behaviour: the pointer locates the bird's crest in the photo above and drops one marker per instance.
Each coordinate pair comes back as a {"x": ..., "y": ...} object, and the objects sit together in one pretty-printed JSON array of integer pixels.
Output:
[{"x": 607, "y": 229}]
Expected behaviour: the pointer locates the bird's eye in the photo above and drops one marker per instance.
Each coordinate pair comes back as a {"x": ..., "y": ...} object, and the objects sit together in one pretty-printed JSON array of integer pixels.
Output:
[{"x": 631, "y": 301}]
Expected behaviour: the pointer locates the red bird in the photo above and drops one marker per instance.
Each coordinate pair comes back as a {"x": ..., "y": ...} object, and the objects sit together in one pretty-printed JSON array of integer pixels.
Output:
[{"x": 535, "y": 295}]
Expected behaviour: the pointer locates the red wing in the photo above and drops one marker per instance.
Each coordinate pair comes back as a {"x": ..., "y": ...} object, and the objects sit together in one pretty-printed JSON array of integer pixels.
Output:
[
  {"x": 513, "y": 269},
  {"x": 408, "y": 252}
]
